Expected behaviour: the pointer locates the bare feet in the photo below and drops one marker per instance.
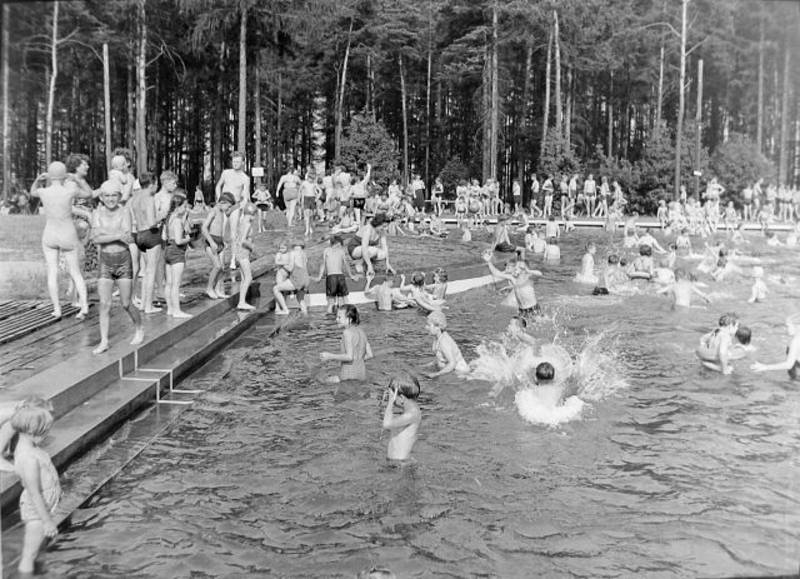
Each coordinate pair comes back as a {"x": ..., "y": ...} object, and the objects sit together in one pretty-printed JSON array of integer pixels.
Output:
[
  {"x": 245, "y": 306},
  {"x": 181, "y": 315},
  {"x": 152, "y": 310},
  {"x": 82, "y": 314},
  {"x": 100, "y": 348},
  {"x": 56, "y": 313},
  {"x": 212, "y": 294},
  {"x": 222, "y": 296},
  {"x": 138, "y": 337},
  {"x": 280, "y": 312}
]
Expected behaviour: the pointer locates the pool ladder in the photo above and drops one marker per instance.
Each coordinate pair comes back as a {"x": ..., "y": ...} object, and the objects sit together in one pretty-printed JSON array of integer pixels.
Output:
[{"x": 162, "y": 372}]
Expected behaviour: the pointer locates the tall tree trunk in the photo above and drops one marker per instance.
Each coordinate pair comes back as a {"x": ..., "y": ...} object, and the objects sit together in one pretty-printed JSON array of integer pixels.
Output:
[
  {"x": 257, "y": 111},
  {"x": 428, "y": 98},
  {"x": 783, "y": 158},
  {"x": 610, "y": 114},
  {"x": 660, "y": 99},
  {"x": 241, "y": 142},
  {"x": 107, "y": 104},
  {"x": 130, "y": 129},
  {"x": 546, "y": 119},
  {"x": 698, "y": 119},
  {"x": 568, "y": 111},
  {"x": 370, "y": 104},
  {"x": 405, "y": 119},
  {"x": 485, "y": 110},
  {"x": 6, "y": 133},
  {"x": 494, "y": 126},
  {"x": 219, "y": 107},
  {"x": 526, "y": 89},
  {"x": 760, "y": 105},
  {"x": 337, "y": 137},
  {"x": 141, "y": 91},
  {"x": 557, "y": 45},
  {"x": 51, "y": 93},
  {"x": 681, "y": 103}
]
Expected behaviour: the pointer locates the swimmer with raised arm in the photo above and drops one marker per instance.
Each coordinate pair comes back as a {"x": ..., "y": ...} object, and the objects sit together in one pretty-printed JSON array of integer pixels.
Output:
[
  {"x": 792, "y": 361},
  {"x": 448, "y": 355},
  {"x": 403, "y": 391},
  {"x": 385, "y": 295},
  {"x": 714, "y": 350},
  {"x": 522, "y": 284}
]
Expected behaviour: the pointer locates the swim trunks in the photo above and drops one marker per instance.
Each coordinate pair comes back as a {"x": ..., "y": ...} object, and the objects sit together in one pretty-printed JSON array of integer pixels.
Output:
[
  {"x": 358, "y": 202},
  {"x": 600, "y": 291},
  {"x": 336, "y": 286},
  {"x": 309, "y": 203},
  {"x": 148, "y": 238},
  {"x": 262, "y": 206},
  {"x": 219, "y": 241},
  {"x": 528, "y": 313},
  {"x": 505, "y": 247},
  {"x": 174, "y": 253},
  {"x": 115, "y": 265},
  {"x": 794, "y": 371}
]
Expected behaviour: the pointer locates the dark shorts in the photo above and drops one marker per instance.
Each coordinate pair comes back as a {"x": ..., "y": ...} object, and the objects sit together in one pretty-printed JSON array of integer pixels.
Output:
[
  {"x": 219, "y": 241},
  {"x": 336, "y": 286},
  {"x": 148, "y": 238},
  {"x": 309, "y": 202},
  {"x": 262, "y": 206},
  {"x": 529, "y": 313},
  {"x": 600, "y": 291},
  {"x": 174, "y": 254},
  {"x": 505, "y": 247},
  {"x": 115, "y": 265},
  {"x": 358, "y": 202}
]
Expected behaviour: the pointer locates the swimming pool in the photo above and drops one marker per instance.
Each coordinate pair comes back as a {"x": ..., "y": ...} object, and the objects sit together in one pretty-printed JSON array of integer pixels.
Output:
[{"x": 681, "y": 472}]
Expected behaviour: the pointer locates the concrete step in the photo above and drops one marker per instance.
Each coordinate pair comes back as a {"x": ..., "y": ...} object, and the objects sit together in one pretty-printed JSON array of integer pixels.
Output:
[{"x": 101, "y": 409}]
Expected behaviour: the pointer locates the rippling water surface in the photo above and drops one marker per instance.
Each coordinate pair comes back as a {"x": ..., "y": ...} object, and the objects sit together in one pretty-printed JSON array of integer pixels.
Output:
[{"x": 682, "y": 473}]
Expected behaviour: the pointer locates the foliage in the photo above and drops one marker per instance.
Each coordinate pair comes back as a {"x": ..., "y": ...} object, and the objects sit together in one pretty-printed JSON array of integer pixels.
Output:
[
  {"x": 557, "y": 157},
  {"x": 367, "y": 141},
  {"x": 453, "y": 173},
  {"x": 738, "y": 163},
  {"x": 621, "y": 170}
]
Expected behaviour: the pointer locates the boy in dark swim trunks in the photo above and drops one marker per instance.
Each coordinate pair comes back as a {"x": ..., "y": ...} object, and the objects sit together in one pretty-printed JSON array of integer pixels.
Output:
[
  {"x": 212, "y": 231},
  {"x": 334, "y": 263}
]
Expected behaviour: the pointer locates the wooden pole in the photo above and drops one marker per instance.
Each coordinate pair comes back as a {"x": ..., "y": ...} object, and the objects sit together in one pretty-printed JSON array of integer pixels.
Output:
[
  {"x": 6, "y": 136},
  {"x": 107, "y": 103},
  {"x": 698, "y": 119},
  {"x": 681, "y": 104},
  {"x": 48, "y": 138}
]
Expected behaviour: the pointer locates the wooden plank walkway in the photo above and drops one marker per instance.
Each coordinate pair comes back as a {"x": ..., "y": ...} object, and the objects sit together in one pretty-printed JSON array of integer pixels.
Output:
[{"x": 18, "y": 319}]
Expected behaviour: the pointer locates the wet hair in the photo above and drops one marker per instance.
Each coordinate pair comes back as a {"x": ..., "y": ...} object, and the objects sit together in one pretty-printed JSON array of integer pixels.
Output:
[
  {"x": 146, "y": 179},
  {"x": 613, "y": 259},
  {"x": 168, "y": 176},
  {"x": 227, "y": 197},
  {"x": 441, "y": 272},
  {"x": 438, "y": 319},
  {"x": 645, "y": 250},
  {"x": 406, "y": 384},
  {"x": 545, "y": 372},
  {"x": 32, "y": 420},
  {"x": 351, "y": 314},
  {"x": 743, "y": 335},
  {"x": 75, "y": 160},
  {"x": 728, "y": 319},
  {"x": 623, "y": 261},
  {"x": 174, "y": 203},
  {"x": 379, "y": 219},
  {"x": 418, "y": 278},
  {"x": 336, "y": 239}
]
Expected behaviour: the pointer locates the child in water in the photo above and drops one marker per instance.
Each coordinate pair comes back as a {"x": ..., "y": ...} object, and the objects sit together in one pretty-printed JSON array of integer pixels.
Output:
[
  {"x": 551, "y": 251},
  {"x": 613, "y": 277},
  {"x": 758, "y": 293},
  {"x": 438, "y": 289},
  {"x": 41, "y": 489},
  {"x": 522, "y": 284},
  {"x": 792, "y": 361},
  {"x": 548, "y": 401},
  {"x": 714, "y": 350},
  {"x": 403, "y": 391},
  {"x": 586, "y": 274},
  {"x": 642, "y": 266},
  {"x": 386, "y": 297},
  {"x": 682, "y": 289},
  {"x": 448, "y": 355},
  {"x": 355, "y": 348},
  {"x": 418, "y": 294}
]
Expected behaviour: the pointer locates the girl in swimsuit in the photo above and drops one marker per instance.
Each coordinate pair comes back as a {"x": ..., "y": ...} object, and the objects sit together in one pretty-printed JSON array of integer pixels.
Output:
[
  {"x": 39, "y": 477},
  {"x": 370, "y": 243},
  {"x": 448, "y": 355},
  {"x": 298, "y": 280},
  {"x": 792, "y": 362},
  {"x": 60, "y": 236},
  {"x": 111, "y": 230},
  {"x": 355, "y": 348},
  {"x": 175, "y": 254}
]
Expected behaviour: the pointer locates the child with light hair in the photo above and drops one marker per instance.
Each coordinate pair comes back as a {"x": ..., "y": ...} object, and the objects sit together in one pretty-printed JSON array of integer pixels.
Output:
[
  {"x": 402, "y": 392},
  {"x": 41, "y": 489},
  {"x": 758, "y": 292},
  {"x": 448, "y": 355}
]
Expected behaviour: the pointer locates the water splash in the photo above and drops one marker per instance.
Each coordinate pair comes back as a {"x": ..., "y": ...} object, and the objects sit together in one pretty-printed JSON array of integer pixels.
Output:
[{"x": 594, "y": 374}]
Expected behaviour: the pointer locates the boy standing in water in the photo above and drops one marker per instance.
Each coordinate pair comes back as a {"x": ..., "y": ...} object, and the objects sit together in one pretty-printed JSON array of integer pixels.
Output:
[
  {"x": 334, "y": 264},
  {"x": 520, "y": 278},
  {"x": 403, "y": 391},
  {"x": 682, "y": 289}
]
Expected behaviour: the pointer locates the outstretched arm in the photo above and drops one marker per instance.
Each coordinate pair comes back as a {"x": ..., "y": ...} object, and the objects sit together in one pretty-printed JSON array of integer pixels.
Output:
[{"x": 792, "y": 357}]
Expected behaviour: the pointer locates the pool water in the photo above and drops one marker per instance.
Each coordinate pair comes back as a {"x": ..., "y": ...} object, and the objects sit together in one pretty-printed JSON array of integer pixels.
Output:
[{"x": 675, "y": 471}]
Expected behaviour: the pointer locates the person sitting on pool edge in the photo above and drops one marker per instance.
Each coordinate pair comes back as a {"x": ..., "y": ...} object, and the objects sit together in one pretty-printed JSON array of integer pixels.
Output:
[
  {"x": 403, "y": 391},
  {"x": 714, "y": 350},
  {"x": 792, "y": 361},
  {"x": 448, "y": 355}
]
